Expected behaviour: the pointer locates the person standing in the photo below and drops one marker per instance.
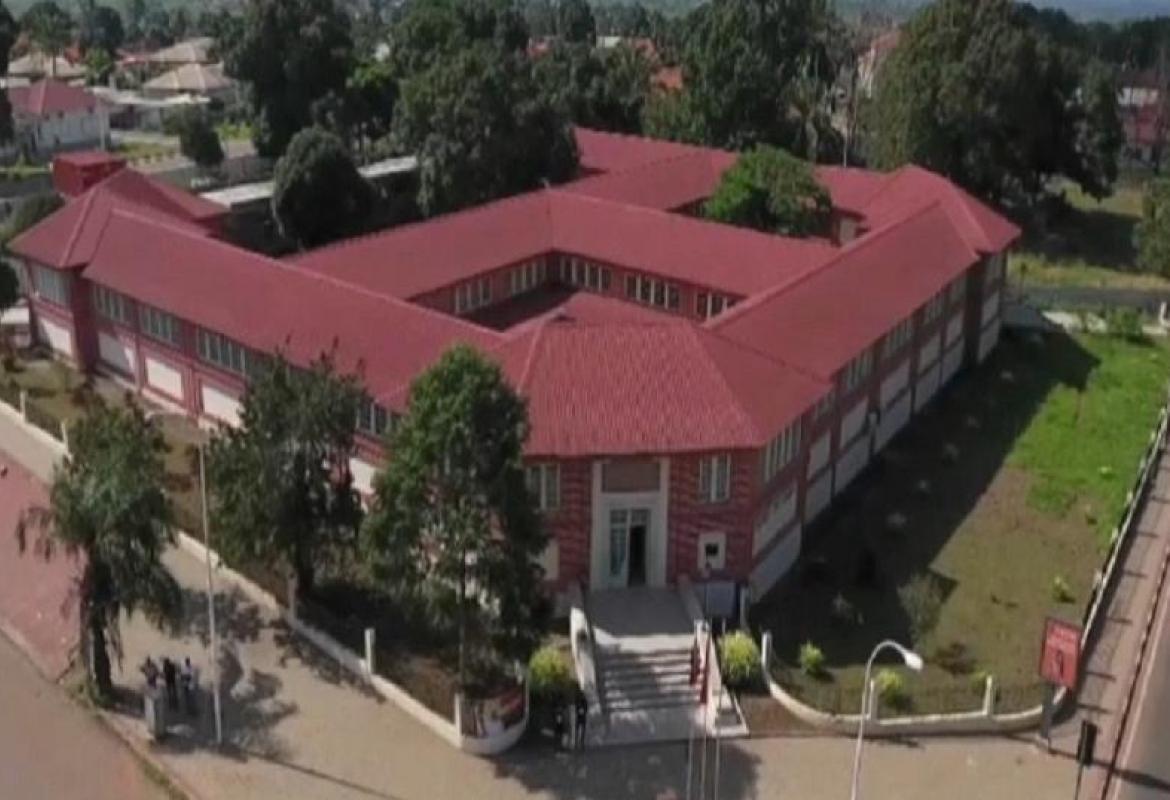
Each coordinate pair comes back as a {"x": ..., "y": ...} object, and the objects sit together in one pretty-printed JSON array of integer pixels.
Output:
[
  {"x": 187, "y": 678},
  {"x": 580, "y": 716},
  {"x": 150, "y": 672},
  {"x": 171, "y": 679}
]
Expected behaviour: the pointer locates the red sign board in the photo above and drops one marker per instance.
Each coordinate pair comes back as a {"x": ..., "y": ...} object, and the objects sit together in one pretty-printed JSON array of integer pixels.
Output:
[{"x": 1060, "y": 656}]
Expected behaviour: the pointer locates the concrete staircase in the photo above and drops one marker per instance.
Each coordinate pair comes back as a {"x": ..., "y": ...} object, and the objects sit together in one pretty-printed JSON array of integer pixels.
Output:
[{"x": 640, "y": 681}]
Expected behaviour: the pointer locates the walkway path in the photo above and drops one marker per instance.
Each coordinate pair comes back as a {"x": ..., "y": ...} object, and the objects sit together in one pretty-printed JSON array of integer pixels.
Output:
[{"x": 51, "y": 748}]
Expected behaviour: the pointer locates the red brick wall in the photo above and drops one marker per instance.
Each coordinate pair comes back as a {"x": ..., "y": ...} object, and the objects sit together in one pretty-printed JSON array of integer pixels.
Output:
[
  {"x": 688, "y": 517},
  {"x": 572, "y": 523}
]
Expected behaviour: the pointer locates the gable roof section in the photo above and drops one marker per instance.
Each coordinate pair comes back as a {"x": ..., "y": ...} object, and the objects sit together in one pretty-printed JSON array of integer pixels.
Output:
[
  {"x": 826, "y": 319},
  {"x": 48, "y": 96},
  {"x": 610, "y": 152},
  {"x": 640, "y": 388},
  {"x": 67, "y": 238},
  {"x": 669, "y": 184},
  {"x": 193, "y": 77},
  {"x": 266, "y": 305}
]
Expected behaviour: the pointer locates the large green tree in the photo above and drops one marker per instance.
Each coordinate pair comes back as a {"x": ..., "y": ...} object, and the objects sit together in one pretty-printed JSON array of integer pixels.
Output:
[
  {"x": 198, "y": 140},
  {"x": 8, "y": 33},
  {"x": 482, "y": 130},
  {"x": 771, "y": 190},
  {"x": 108, "y": 507},
  {"x": 575, "y": 23},
  {"x": 741, "y": 60},
  {"x": 452, "y": 516},
  {"x": 605, "y": 89},
  {"x": 280, "y": 486},
  {"x": 1153, "y": 231},
  {"x": 292, "y": 53},
  {"x": 319, "y": 195},
  {"x": 49, "y": 28},
  {"x": 978, "y": 93},
  {"x": 100, "y": 28}
]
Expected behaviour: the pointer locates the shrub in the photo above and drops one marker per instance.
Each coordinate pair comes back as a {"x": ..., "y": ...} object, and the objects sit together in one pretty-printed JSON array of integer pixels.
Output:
[
  {"x": 1061, "y": 591},
  {"x": 812, "y": 660},
  {"x": 740, "y": 657},
  {"x": 1125, "y": 323},
  {"x": 956, "y": 658},
  {"x": 921, "y": 600},
  {"x": 891, "y": 689},
  {"x": 550, "y": 674}
]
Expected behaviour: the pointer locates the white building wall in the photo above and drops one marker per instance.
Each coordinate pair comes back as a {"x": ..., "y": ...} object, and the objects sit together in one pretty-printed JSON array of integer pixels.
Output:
[
  {"x": 818, "y": 454},
  {"x": 928, "y": 353},
  {"x": 954, "y": 329},
  {"x": 988, "y": 339},
  {"x": 927, "y": 386},
  {"x": 990, "y": 308},
  {"x": 952, "y": 360},
  {"x": 781, "y": 512},
  {"x": 893, "y": 420},
  {"x": 163, "y": 377},
  {"x": 850, "y": 464},
  {"x": 817, "y": 496},
  {"x": 895, "y": 383},
  {"x": 854, "y": 421},
  {"x": 56, "y": 335},
  {"x": 776, "y": 563},
  {"x": 117, "y": 354},
  {"x": 221, "y": 405}
]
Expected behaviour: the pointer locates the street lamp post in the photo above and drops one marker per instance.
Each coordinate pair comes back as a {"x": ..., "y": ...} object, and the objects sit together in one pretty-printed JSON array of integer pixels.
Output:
[{"x": 910, "y": 659}]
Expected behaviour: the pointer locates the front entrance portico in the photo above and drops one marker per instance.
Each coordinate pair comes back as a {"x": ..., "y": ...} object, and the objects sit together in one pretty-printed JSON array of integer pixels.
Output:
[{"x": 628, "y": 540}]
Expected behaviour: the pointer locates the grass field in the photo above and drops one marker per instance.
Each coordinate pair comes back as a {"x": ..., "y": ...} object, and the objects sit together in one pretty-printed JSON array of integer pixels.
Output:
[
  {"x": 1014, "y": 478},
  {"x": 1092, "y": 244}
]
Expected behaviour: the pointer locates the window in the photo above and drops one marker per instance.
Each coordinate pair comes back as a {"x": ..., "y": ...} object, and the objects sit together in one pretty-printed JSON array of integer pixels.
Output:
[
  {"x": 858, "y": 370},
  {"x": 632, "y": 287},
  {"x": 992, "y": 272},
  {"x": 715, "y": 478},
  {"x": 544, "y": 481},
  {"x": 957, "y": 289},
  {"x": 52, "y": 286},
  {"x": 222, "y": 352},
  {"x": 933, "y": 308},
  {"x": 645, "y": 290},
  {"x": 824, "y": 405},
  {"x": 473, "y": 295},
  {"x": 781, "y": 450},
  {"x": 673, "y": 298},
  {"x": 159, "y": 325},
  {"x": 372, "y": 418},
  {"x": 701, "y": 307},
  {"x": 898, "y": 338},
  {"x": 112, "y": 305}
]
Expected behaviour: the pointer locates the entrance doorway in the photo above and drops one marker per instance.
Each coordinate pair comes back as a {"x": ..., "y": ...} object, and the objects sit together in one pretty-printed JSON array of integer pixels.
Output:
[
  {"x": 629, "y": 538},
  {"x": 638, "y": 535}
]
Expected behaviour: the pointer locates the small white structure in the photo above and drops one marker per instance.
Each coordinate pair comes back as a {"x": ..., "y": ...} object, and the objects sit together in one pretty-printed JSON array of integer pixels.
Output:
[
  {"x": 50, "y": 116},
  {"x": 202, "y": 80}
]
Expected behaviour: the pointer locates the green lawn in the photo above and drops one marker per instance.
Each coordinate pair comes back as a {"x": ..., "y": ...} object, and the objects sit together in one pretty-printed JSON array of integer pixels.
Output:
[
  {"x": 1090, "y": 244},
  {"x": 1015, "y": 477}
]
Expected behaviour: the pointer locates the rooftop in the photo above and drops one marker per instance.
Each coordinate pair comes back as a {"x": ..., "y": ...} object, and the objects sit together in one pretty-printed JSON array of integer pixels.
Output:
[{"x": 48, "y": 96}]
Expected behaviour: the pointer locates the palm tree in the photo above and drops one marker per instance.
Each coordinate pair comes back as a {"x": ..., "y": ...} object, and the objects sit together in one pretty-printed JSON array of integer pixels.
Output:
[{"x": 107, "y": 507}]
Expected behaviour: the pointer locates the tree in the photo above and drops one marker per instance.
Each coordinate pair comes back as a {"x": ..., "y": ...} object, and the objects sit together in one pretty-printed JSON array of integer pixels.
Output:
[
  {"x": 198, "y": 140},
  {"x": 101, "y": 29},
  {"x": 29, "y": 213},
  {"x": 8, "y": 34},
  {"x": 977, "y": 93},
  {"x": 49, "y": 28},
  {"x": 575, "y": 22},
  {"x": 1153, "y": 231},
  {"x": 770, "y": 190},
  {"x": 292, "y": 52},
  {"x": 108, "y": 507},
  {"x": 597, "y": 89},
  {"x": 319, "y": 195},
  {"x": 451, "y": 511},
  {"x": 433, "y": 32},
  {"x": 281, "y": 490},
  {"x": 740, "y": 59},
  {"x": 99, "y": 65},
  {"x": 482, "y": 130}
]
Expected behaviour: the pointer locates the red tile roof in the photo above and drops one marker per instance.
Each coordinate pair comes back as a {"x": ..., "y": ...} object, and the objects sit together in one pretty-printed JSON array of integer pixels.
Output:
[
  {"x": 66, "y": 239},
  {"x": 50, "y": 97},
  {"x": 823, "y": 321},
  {"x": 609, "y": 152},
  {"x": 266, "y": 304},
  {"x": 660, "y": 387},
  {"x": 88, "y": 158},
  {"x": 669, "y": 184}
]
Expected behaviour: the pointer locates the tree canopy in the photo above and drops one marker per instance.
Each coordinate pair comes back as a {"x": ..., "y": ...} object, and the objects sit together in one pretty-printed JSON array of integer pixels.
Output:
[
  {"x": 198, "y": 140},
  {"x": 575, "y": 23},
  {"x": 604, "y": 89},
  {"x": 1153, "y": 230},
  {"x": 49, "y": 27},
  {"x": 108, "y": 504},
  {"x": 319, "y": 195},
  {"x": 100, "y": 28},
  {"x": 292, "y": 53},
  {"x": 770, "y": 190},
  {"x": 280, "y": 484},
  {"x": 452, "y": 516},
  {"x": 481, "y": 130},
  {"x": 977, "y": 93},
  {"x": 8, "y": 33}
]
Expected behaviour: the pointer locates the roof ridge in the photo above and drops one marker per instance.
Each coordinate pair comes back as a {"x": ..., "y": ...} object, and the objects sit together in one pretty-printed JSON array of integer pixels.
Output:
[
  {"x": 79, "y": 224},
  {"x": 718, "y": 322},
  {"x": 714, "y": 363}
]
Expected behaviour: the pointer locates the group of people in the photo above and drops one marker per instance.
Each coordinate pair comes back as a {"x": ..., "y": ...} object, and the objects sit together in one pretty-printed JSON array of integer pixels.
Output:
[
  {"x": 175, "y": 676},
  {"x": 571, "y": 733}
]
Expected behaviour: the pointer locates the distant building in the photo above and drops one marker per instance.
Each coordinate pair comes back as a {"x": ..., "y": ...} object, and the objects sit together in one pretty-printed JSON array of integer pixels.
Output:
[
  {"x": 50, "y": 116},
  {"x": 36, "y": 65},
  {"x": 201, "y": 80},
  {"x": 1145, "y": 115}
]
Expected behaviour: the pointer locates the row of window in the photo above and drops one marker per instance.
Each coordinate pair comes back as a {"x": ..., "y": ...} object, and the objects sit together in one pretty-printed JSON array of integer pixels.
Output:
[
  {"x": 585, "y": 274},
  {"x": 858, "y": 370},
  {"x": 934, "y": 308},
  {"x": 544, "y": 482},
  {"x": 473, "y": 295},
  {"x": 715, "y": 478},
  {"x": 222, "y": 352},
  {"x": 112, "y": 305},
  {"x": 52, "y": 286},
  {"x": 653, "y": 292},
  {"x": 781, "y": 450},
  {"x": 372, "y": 418},
  {"x": 825, "y": 405},
  {"x": 156, "y": 324},
  {"x": 898, "y": 338},
  {"x": 711, "y": 304},
  {"x": 526, "y": 277}
]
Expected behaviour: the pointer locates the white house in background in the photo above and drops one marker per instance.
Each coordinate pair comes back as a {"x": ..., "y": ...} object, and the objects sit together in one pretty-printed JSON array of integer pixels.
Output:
[
  {"x": 199, "y": 80},
  {"x": 50, "y": 116},
  {"x": 35, "y": 65}
]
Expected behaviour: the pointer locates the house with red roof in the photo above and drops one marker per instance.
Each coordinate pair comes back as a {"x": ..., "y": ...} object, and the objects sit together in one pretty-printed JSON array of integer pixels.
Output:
[
  {"x": 698, "y": 394},
  {"x": 50, "y": 116}
]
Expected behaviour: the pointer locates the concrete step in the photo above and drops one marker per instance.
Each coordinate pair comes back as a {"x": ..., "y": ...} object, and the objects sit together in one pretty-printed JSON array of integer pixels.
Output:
[
  {"x": 649, "y": 690},
  {"x": 680, "y": 700},
  {"x": 618, "y": 657}
]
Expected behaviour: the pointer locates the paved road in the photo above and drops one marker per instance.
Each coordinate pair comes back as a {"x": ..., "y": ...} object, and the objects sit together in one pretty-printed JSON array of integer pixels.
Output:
[
  {"x": 50, "y": 747},
  {"x": 1144, "y": 760}
]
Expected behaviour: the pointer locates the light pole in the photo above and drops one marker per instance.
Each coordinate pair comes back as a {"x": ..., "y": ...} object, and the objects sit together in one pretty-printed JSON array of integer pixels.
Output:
[{"x": 910, "y": 659}]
